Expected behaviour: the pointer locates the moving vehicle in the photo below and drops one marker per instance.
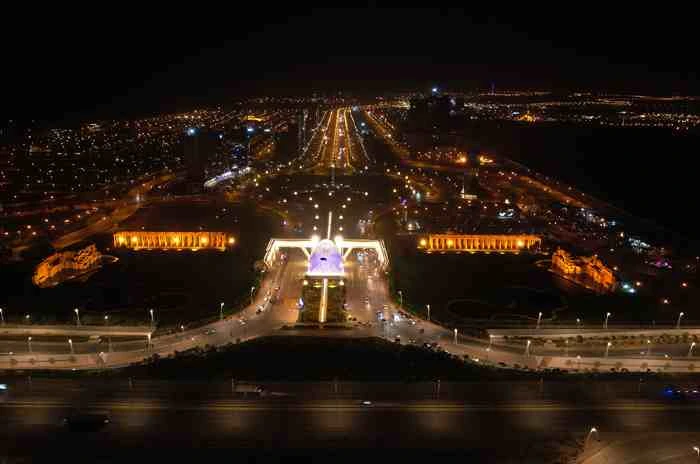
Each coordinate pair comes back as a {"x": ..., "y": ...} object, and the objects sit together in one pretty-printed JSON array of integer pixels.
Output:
[
  {"x": 86, "y": 421},
  {"x": 675, "y": 392}
]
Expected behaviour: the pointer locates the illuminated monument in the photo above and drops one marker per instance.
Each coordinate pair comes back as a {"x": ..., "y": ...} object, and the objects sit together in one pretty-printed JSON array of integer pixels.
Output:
[{"x": 326, "y": 260}]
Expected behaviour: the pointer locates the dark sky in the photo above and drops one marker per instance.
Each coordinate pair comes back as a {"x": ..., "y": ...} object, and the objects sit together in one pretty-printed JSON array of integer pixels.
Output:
[{"x": 63, "y": 63}]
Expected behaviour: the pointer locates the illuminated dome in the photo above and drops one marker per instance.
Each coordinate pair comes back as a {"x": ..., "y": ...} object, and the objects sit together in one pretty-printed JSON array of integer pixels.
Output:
[{"x": 326, "y": 260}]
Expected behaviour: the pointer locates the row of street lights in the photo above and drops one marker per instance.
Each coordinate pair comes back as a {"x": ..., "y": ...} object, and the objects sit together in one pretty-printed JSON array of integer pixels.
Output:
[{"x": 578, "y": 320}]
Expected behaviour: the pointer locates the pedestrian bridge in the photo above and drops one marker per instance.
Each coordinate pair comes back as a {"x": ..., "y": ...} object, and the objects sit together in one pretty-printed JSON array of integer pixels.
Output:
[{"x": 308, "y": 246}]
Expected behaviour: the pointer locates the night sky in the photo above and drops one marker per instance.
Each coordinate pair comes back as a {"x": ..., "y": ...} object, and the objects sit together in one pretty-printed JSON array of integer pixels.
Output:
[{"x": 65, "y": 63}]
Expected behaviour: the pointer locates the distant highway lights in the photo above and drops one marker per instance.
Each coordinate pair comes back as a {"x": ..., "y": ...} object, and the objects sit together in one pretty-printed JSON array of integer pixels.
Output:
[
  {"x": 527, "y": 348},
  {"x": 605, "y": 324},
  {"x": 221, "y": 310},
  {"x": 678, "y": 322},
  {"x": 70, "y": 343},
  {"x": 690, "y": 350},
  {"x": 539, "y": 319},
  {"x": 77, "y": 316},
  {"x": 607, "y": 349}
]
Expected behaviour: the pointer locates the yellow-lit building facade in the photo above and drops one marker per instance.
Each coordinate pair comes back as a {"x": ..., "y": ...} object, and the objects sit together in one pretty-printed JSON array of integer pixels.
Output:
[
  {"x": 479, "y": 243},
  {"x": 75, "y": 261},
  {"x": 587, "y": 267},
  {"x": 147, "y": 240}
]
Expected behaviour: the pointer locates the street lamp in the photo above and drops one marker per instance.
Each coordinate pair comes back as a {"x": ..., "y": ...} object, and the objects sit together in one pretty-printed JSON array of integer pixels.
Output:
[
  {"x": 605, "y": 324},
  {"x": 252, "y": 289},
  {"x": 70, "y": 343},
  {"x": 27, "y": 318},
  {"x": 527, "y": 348},
  {"x": 697, "y": 451},
  {"x": 221, "y": 310},
  {"x": 428, "y": 306},
  {"x": 400, "y": 300},
  {"x": 591, "y": 432},
  {"x": 648, "y": 347},
  {"x": 566, "y": 349},
  {"x": 678, "y": 322},
  {"x": 690, "y": 351},
  {"x": 153, "y": 319},
  {"x": 29, "y": 343},
  {"x": 77, "y": 316},
  {"x": 578, "y": 322},
  {"x": 455, "y": 336},
  {"x": 607, "y": 349},
  {"x": 539, "y": 319},
  {"x": 2, "y": 316},
  {"x": 106, "y": 319}
]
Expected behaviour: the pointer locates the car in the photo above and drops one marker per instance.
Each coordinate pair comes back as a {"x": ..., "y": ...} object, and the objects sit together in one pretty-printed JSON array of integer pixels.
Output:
[
  {"x": 676, "y": 392},
  {"x": 86, "y": 421}
]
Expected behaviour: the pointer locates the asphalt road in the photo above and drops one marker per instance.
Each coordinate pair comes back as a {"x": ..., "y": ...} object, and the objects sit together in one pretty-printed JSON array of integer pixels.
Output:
[{"x": 497, "y": 422}]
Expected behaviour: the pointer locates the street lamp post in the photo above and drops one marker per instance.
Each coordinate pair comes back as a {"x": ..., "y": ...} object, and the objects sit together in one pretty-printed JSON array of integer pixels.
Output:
[
  {"x": 566, "y": 348},
  {"x": 578, "y": 323},
  {"x": 2, "y": 316},
  {"x": 607, "y": 349},
  {"x": 690, "y": 350},
  {"x": 605, "y": 324},
  {"x": 153, "y": 319},
  {"x": 697, "y": 451},
  {"x": 678, "y": 322},
  {"x": 400, "y": 300},
  {"x": 527, "y": 348},
  {"x": 106, "y": 319},
  {"x": 648, "y": 347},
  {"x": 70, "y": 343},
  {"x": 428, "y": 306},
  {"x": 252, "y": 289},
  {"x": 590, "y": 433},
  {"x": 221, "y": 310},
  {"x": 29, "y": 344},
  {"x": 539, "y": 319},
  {"x": 455, "y": 336},
  {"x": 77, "y": 316}
]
